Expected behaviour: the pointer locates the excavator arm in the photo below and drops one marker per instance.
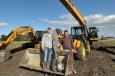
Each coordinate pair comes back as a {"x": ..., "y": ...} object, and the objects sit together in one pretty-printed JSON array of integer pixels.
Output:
[
  {"x": 81, "y": 39},
  {"x": 14, "y": 33},
  {"x": 74, "y": 11}
]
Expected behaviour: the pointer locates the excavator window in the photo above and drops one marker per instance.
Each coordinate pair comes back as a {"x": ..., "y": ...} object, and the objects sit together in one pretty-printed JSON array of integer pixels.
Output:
[
  {"x": 76, "y": 32},
  {"x": 93, "y": 29},
  {"x": 93, "y": 32}
]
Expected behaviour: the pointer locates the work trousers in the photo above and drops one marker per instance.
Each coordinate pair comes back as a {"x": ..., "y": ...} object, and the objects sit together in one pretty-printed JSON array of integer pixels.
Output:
[{"x": 47, "y": 54}]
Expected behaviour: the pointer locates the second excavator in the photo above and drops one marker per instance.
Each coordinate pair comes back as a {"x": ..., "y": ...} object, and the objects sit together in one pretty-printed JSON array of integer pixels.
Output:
[{"x": 5, "y": 54}]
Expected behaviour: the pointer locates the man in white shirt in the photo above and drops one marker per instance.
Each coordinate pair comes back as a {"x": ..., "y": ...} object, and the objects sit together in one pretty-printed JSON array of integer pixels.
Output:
[{"x": 47, "y": 42}]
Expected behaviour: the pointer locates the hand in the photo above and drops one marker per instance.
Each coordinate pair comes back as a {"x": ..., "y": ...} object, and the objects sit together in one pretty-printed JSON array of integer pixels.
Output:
[{"x": 74, "y": 51}]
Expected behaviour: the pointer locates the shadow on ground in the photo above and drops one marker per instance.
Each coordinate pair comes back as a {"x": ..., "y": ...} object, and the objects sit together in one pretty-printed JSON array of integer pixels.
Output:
[
  {"x": 113, "y": 60},
  {"x": 110, "y": 49}
]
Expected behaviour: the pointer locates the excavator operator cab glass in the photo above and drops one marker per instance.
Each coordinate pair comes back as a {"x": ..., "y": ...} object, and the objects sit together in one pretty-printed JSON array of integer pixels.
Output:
[
  {"x": 93, "y": 29},
  {"x": 39, "y": 35},
  {"x": 93, "y": 32},
  {"x": 76, "y": 32},
  {"x": 24, "y": 26}
]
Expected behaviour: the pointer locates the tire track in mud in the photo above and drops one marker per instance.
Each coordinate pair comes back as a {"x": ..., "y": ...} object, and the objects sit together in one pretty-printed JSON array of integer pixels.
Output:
[
  {"x": 98, "y": 64},
  {"x": 109, "y": 51}
]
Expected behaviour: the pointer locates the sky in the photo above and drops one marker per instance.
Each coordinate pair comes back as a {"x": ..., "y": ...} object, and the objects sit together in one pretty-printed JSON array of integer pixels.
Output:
[{"x": 41, "y": 14}]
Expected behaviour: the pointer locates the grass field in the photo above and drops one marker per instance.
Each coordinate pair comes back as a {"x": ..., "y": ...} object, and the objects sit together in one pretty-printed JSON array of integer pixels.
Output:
[{"x": 108, "y": 42}]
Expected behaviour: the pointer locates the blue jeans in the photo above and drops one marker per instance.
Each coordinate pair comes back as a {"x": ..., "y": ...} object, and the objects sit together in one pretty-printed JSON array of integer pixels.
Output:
[{"x": 47, "y": 54}]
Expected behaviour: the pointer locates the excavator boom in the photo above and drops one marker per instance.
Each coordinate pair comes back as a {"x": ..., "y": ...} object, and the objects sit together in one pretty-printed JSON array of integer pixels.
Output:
[
  {"x": 79, "y": 33},
  {"x": 73, "y": 10},
  {"x": 14, "y": 33}
]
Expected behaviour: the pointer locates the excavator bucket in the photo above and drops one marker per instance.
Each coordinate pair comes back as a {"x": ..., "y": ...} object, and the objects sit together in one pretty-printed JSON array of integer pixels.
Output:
[
  {"x": 31, "y": 58},
  {"x": 61, "y": 64},
  {"x": 4, "y": 55}
]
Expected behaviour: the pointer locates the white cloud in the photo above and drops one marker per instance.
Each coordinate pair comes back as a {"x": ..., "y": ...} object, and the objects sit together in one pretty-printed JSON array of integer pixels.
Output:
[
  {"x": 43, "y": 20},
  {"x": 3, "y": 24},
  {"x": 100, "y": 20},
  {"x": 96, "y": 19},
  {"x": 100, "y": 26},
  {"x": 65, "y": 19},
  {"x": 66, "y": 16},
  {"x": 104, "y": 23}
]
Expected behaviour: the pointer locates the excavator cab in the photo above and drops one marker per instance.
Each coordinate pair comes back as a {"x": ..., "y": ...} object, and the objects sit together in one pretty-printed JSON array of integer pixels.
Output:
[
  {"x": 77, "y": 32},
  {"x": 94, "y": 38},
  {"x": 93, "y": 32},
  {"x": 80, "y": 41},
  {"x": 80, "y": 33},
  {"x": 39, "y": 35}
]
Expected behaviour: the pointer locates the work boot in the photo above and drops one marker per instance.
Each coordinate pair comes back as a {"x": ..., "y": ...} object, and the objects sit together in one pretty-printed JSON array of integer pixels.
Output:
[
  {"x": 74, "y": 71},
  {"x": 44, "y": 65},
  {"x": 48, "y": 66}
]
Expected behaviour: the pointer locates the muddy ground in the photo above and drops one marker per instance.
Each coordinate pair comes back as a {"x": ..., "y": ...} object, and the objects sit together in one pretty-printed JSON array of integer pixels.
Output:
[{"x": 100, "y": 63}]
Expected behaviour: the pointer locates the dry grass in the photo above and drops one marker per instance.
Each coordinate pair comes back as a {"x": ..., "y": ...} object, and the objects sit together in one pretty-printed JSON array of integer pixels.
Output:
[{"x": 108, "y": 42}]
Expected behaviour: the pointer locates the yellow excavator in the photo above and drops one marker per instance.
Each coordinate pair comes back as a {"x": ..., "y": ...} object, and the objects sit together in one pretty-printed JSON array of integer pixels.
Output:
[
  {"x": 79, "y": 33},
  {"x": 93, "y": 34},
  {"x": 62, "y": 61},
  {"x": 4, "y": 55},
  {"x": 95, "y": 40}
]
